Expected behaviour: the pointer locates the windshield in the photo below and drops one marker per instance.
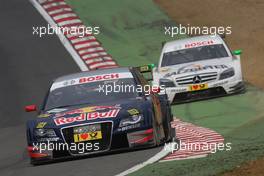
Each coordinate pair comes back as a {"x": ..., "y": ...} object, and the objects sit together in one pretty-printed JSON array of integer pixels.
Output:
[
  {"x": 194, "y": 54},
  {"x": 88, "y": 93}
]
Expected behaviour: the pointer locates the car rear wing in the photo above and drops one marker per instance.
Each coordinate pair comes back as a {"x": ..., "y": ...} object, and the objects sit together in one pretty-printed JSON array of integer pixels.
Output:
[{"x": 146, "y": 71}]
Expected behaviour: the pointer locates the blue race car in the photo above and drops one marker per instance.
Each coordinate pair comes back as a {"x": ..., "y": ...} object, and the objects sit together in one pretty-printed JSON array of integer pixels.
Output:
[{"x": 94, "y": 112}]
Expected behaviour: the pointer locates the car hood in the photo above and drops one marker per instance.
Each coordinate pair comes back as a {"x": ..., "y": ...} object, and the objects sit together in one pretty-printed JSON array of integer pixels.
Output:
[
  {"x": 213, "y": 65},
  {"x": 93, "y": 112}
]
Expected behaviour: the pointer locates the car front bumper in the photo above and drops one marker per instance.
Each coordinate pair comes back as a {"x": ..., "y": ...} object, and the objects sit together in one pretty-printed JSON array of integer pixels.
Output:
[
  {"x": 120, "y": 142},
  {"x": 182, "y": 94}
]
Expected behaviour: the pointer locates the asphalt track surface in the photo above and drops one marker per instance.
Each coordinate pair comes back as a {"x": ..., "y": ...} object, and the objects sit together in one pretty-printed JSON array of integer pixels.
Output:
[{"x": 28, "y": 65}]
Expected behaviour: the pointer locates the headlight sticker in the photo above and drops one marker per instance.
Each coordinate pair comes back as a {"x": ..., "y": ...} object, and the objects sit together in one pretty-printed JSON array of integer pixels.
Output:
[
  {"x": 43, "y": 115},
  {"x": 44, "y": 132},
  {"x": 41, "y": 124},
  {"x": 129, "y": 127},
  {"x": 131, "y": 122},
  {"x": 133, "y": 111}
]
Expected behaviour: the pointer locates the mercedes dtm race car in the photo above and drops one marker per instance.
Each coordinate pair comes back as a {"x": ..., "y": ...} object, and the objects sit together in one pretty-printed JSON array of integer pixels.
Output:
[
  {"x": 197, "y": 68},
  {"x": 77, "y": 117}
]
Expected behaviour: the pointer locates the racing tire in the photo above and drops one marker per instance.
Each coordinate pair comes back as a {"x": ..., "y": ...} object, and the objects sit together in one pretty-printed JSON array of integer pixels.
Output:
[{"x": 156, "y": 138}]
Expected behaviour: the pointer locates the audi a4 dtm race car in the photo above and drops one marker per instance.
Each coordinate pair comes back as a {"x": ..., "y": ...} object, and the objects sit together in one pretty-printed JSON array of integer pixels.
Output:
[
  {"x": 197, "y": 68},
  {"x": 77, "y": 118}
]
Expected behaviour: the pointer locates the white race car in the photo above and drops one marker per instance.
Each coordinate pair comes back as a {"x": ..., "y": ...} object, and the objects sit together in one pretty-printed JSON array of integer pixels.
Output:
[{"x": 197, "y": 68}]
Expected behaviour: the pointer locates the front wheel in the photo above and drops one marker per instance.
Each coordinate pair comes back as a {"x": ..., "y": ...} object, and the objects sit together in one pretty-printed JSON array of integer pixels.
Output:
[{"x": 155, "y": 133}]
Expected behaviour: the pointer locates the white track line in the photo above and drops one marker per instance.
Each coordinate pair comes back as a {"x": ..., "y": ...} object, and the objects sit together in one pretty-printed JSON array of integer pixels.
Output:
[
  {"x": 62, "y": 38},
  {"x": 164, "y": 152},
  {"x": 191, "y": 157}
]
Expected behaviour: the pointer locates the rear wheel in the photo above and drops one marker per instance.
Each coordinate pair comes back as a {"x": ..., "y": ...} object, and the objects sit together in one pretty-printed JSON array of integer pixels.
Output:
[{"x": 170, "y": 133}]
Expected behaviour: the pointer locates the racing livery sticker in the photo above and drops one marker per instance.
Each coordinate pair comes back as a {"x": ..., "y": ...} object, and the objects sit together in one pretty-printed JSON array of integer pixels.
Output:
[
  {"x": 41, "y": 124},
  {"x": 195, "y": 68},
  {"x": 86, "y": 116},
  {"x": 196, "y": 87},
  {"x": 133, "y": 111},
  {"x": 200, "y": 43},
  {"x": 95, "y": 135},
  {"x": 57, "y": 110},
  {"x": 86, "y": 110},
  {"x": 43, "y": 115},
  {"x": 89, "y": 79}
]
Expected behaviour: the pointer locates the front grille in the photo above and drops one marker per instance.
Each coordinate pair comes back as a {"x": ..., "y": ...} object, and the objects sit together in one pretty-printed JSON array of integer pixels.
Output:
[
  {"x": 204, "y": 78},
  {"x": 104, "y": 143}
]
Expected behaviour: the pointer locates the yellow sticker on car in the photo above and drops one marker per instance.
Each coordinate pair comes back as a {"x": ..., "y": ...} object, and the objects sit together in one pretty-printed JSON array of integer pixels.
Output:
[
  {"x": 144, "y": 68},
  {"x": 41, "y": 124},
  {"x": 133, "y": 111},
  {"x": 43, "y": 115},
  {"x": 196, "y": 87},
  {"x": 87, "y": 136}
]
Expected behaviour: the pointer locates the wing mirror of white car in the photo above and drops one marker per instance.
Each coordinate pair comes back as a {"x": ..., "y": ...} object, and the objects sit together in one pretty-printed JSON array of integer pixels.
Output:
[{"x": 237, "y": 52}]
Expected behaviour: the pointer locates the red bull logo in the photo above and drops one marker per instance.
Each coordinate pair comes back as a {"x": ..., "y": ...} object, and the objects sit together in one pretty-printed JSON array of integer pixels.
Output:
[{"x": 86, "y": 117}]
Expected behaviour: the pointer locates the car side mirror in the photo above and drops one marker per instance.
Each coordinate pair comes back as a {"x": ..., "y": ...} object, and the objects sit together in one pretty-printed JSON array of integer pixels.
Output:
[
  {"x": 237, "y": 52},
  {"x": 31, "y": 108}
]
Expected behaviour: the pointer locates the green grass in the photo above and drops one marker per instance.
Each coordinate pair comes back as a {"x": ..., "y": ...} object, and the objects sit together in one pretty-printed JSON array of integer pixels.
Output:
[
  {"x": 224, "y": 114},
  {"x": 132, "y": 32}
]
